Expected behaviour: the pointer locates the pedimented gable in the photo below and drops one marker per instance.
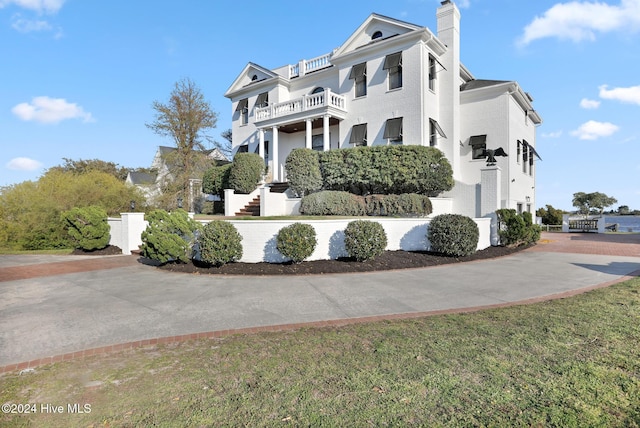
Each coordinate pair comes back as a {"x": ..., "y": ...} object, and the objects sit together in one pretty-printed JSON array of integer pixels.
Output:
[
  {"x": 250, "y": 74},
  {"x": 374, "y": 29}
]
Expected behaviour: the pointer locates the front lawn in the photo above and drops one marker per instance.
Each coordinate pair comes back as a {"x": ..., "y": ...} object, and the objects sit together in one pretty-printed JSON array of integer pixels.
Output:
[{"x": 569, "y": 363}]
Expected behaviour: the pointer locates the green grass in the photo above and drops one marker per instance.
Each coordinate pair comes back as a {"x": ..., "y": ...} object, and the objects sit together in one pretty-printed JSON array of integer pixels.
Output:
[
  {"x": 58, "y": 252},
  {"x": 567, "y": 363}
]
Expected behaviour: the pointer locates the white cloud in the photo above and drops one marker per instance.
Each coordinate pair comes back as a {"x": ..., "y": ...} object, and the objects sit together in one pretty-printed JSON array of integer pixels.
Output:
[
  {"x": 24, "y": 164},
  {"x": 555, "y": 134},
  {"x": 593, "y": 130},
  {"x": 463, "y": 4},
  {"x": 28, "y": 25},
  {"x": 626, "y": 95},
  {"x": 589, "y": 104},
  {"x": 50, "y": 110},
  {"x": 40, "y": 6},
  {"x": 579, "y": 20}
]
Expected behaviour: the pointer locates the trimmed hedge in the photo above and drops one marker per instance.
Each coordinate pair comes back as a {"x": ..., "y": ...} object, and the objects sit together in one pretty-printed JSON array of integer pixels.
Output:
[
  {"x": 516, "y": 229},
  {"x": 296, "y": 241},
  {"x": 303, "y": 171},
  {"x": 169, "y": 236},
  {"x": 87, "y": 227},
  {"x": 407, "y": 204},
  {"x": 218, "y": 243},
  {"x": 364, "y": 239},
  {"x": 453, "y": 234},
  {"x": 246, "y": 172},
  {"x": 331, "y": 202},
  {"x": 386, "y": 170},
  {"x": 216, "y": 179}
]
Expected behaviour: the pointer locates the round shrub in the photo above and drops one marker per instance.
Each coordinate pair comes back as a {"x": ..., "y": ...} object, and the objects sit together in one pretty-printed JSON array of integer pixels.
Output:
[
  {"x": 246, "y": 172},
  {"x": 168, "y": 236},
  {"x": 87, "y": 227},
  {"x": 453, "y": 234},
  {"x": 303, "y": 171},
  {"x": 333, "y": 202},
  {"x": 516, "y": 229},
  {"x": 296, "y": 241},
  {"x": 364, "y": 239},
  {"x": 218, "y": 243}
]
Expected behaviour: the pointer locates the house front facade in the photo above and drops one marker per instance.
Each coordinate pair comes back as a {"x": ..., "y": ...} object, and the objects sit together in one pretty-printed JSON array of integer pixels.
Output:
[{"x": 393, "y": 82}]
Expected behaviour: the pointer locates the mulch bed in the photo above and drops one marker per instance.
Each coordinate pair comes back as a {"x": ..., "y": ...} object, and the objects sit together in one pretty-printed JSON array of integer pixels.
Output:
[
  {"x": 111, "y": 250},
  {"x": 389, "y": 260}
]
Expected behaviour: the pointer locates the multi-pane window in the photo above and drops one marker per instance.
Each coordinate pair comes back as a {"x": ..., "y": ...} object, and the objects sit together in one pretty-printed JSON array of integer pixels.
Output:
[
  {"x": 317, "y": 142},
  {"x": 525, "y": 156},
  {"x": 432, "y": 73},
  {"x": 393, "y": 63},
  {"x": 359, "y": 76},
  {"x": 263, "y": 100},
  {"x": 478, "y": 145},
  {"x": 435, "y": 132},
  {"x": 359, "y": 135},
  {"x": 243, "y": 108},
  {"x": 393, "y": 130}
]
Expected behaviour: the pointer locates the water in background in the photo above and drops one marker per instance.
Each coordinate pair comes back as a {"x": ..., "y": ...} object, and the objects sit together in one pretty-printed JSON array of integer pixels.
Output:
[{"x": 626, "y": 223}]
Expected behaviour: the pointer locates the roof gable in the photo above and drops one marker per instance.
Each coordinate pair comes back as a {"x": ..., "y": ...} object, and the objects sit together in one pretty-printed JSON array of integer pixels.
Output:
[
  {"x": 382, "y": 27},
  {"x": 251, "y": 73}
]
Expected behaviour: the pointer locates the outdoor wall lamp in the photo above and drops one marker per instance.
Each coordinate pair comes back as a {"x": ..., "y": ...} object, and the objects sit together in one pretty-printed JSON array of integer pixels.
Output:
[
  {"x": 528, "y": 198},
  {"x": 132, "y": 206}
]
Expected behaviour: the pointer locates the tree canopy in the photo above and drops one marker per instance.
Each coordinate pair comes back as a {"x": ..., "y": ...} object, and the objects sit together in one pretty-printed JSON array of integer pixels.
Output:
[{"x": 592, "y": 203}]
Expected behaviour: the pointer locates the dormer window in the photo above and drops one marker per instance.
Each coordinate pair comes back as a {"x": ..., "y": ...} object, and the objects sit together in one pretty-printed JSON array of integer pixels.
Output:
[{"x": 376, "y": 35}]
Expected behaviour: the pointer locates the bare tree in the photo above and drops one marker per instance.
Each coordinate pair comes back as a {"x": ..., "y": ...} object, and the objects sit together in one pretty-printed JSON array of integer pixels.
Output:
[{"x": 185, "y": 118}]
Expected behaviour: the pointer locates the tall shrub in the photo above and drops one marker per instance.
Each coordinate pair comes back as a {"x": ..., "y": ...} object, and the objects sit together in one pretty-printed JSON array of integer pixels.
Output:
[
  {"x": 453, "y": 234},
  {"x": 303, "y": 171},
  {"x": 218, "y": 243},
  {"x": 87, "y": 227},
  {"x": 246, "y": 172},
  {"x": 216, "y": 179},
  {"x": 364, "y": 239},
  {"x": 296, "y": 241},
  {"x": 169, "y": 236}
]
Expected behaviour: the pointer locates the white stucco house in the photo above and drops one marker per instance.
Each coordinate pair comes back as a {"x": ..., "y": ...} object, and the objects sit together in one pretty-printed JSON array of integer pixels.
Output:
[{"x": 393, "y": 82}]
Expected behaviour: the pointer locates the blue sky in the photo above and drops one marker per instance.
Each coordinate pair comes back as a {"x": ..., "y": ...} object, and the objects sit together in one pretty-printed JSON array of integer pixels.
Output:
[{"x": 78, "y": 77}]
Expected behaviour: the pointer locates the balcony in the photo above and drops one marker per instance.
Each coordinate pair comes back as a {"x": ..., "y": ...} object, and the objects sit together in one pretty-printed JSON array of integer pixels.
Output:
[
  {"x": 310, "y": 65},
  {"x": 306, "y": 106}
]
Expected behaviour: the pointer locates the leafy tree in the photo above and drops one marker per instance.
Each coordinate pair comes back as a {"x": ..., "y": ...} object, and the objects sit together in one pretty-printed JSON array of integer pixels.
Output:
[
  {"x": 82, "y": 166},
  {"x": 588, "y": 203},
  {"x": 550, "y": 215},
  {"x": 624, "y": 210},
  {"x": 185, "y": 119}
]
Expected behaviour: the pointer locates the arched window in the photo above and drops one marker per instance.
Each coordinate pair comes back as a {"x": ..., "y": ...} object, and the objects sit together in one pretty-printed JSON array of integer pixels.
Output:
[
  {"x": 254, "y": 77},
  {"x": 376, "y": 35},
  {"x": 317, "y": 90}
]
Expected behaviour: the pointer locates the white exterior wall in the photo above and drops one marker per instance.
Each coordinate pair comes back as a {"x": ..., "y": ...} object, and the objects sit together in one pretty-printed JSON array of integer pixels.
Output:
[{"x": 519, "y": 184}]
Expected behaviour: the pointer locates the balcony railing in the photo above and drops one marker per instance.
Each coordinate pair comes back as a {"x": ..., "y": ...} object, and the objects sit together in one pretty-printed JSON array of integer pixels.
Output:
[
  {"x": 302, "y": 104},
  {"x": 311, "y": 65}
]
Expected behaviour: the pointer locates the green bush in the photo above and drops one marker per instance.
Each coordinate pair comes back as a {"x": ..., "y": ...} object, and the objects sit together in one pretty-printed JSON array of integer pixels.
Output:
[
  {"x": 386, "y": 170},
  {"x": 303, "y": 171},
  {"x": 246, "y": 172},
  {"x": 453, "y": 234},
  {"x": 218, "y": 243},
  {"x": 406, "y": 204},
  {"x": 216, "y": 179},
  {"x": 332, "y": 202},
  {"x": 364, "y": 239},
  {"x": 169, "y": 236},
  {"x": 296, "y": 241},
  {"x": 87, "y": 227},
  {"x": 516, "y": 229}
]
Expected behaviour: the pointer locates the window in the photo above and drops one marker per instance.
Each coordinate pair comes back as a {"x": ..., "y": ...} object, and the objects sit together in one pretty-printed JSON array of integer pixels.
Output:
[
  {"x": 359, "y": 135},
  {"x": 532, "y": 153},
  {"x": 432, "y": 73},
  {"x": 359, "y": 75},
  {"x": 317, "y": 143},
  {"x": 519, "y": 150},
  {"x": 263, "y": 100},
  {"x": 243, "y": 108},
  {"x": 376, "y": 35},
  {"x": 393, "y": 63},
  {"x": 393, "y": 130},
  {"x": 266, "y": 150},
  {"x": 317, "y": 90},
  {"x": 525, "y": 156},
  {"x": 254, "y": 77},
  {"x": 243, "y": 149},
  {"x": 478, "y": 145},
  {"x": 519, "y": 208},
  {"x": 435, "y": 132}
]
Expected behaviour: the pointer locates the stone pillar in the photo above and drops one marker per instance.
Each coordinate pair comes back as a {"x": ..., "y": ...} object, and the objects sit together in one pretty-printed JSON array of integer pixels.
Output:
[
  {"x": 275, "y": 158},
  {"x": 491, "y": 198},
  {"x": 325, "y": 132},
  {"x": 133, "y": 224}
]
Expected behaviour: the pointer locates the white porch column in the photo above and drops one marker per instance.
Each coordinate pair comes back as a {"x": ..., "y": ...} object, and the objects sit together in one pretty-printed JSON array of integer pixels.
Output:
[
  {"x": 309, "y": 136},
  {"x": 325, "y": 133},
  {"x": 275, "y": 159},
  {"x": 491, "y": 197},
  {"x": 261, "y": 143}
]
